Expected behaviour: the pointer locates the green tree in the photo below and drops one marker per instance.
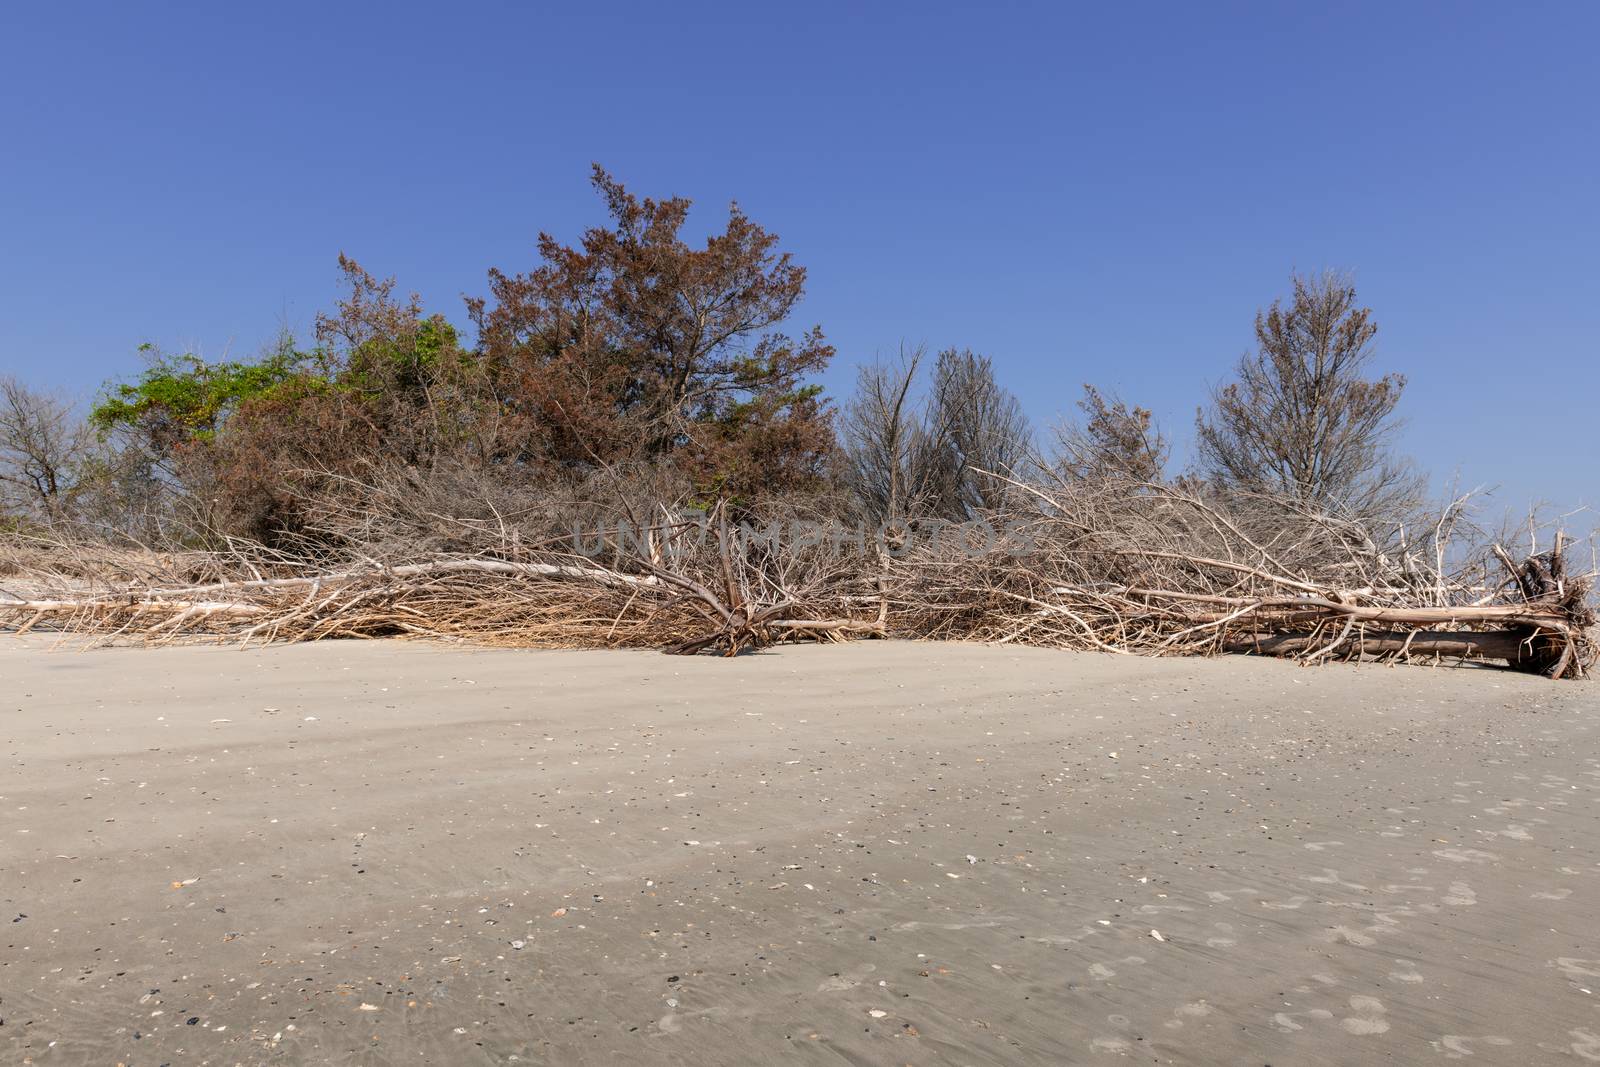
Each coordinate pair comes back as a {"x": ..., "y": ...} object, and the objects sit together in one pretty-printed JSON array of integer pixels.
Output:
[{"x": 183, "y": 399}]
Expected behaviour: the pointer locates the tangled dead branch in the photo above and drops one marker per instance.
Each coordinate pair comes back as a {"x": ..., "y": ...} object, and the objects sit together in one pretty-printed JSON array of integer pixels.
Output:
[{"x": 1129, "y": 568}]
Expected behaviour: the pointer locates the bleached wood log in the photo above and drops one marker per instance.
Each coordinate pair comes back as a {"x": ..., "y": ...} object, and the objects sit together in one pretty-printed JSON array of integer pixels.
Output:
[
  {"x": 602, "y": 575},
  {"x": 1463, "y": 644},
  {"x": 56, "y": 607}
]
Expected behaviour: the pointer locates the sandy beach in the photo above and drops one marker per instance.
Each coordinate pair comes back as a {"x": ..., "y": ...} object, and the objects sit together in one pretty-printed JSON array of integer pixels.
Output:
[{"x": 875, "y": 853}]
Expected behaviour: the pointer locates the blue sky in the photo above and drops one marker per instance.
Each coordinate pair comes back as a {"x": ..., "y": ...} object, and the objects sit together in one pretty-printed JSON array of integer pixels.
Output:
[{"x": 1088, "y": 193}]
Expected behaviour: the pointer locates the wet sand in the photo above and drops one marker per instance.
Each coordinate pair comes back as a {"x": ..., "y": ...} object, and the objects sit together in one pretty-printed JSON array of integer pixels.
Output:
[{"x": 869, "y": 854}]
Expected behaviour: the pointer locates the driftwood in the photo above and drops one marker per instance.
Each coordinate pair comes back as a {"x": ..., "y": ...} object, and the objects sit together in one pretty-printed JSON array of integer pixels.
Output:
[
  {"x": 1449, "y": 644},
  {"x": 1132, "y": 569}
]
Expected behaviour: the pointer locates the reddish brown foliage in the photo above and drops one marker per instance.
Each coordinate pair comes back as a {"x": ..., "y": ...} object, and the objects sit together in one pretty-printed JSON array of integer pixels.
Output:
[{"x": 636, "y": 346}]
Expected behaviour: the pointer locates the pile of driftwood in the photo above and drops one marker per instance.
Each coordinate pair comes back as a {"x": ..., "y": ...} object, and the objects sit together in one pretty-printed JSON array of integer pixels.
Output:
[
  {"x": 1156, "y": 571},
  {"x": 1131, "y": 568}
]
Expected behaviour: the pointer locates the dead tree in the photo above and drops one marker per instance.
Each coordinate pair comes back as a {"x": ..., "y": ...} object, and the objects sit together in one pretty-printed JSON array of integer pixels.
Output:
[
  {"x": 1110, "y": 439},
  {"x": 42, "y": 444},
  {"x": 1301, "y": 419}
]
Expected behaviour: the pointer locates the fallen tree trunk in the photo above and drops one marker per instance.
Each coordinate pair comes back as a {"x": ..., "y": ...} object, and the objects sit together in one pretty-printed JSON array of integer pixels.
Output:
[
  {"x": 422, "y": 570},
  {"x": 1456, "y": 644},
  {"x": 57, "y": 607}
]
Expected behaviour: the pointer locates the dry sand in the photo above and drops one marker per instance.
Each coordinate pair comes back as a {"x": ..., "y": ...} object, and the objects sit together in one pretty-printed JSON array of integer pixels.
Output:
[{"x": 869, "y": 854}]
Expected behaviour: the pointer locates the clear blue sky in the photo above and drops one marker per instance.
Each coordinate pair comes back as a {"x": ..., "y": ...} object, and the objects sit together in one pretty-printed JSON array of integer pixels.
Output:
[{"x": 1096, "y": 192}]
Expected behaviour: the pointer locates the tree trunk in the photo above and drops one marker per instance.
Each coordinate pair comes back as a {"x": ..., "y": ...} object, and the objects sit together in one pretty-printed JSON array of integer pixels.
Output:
[{"x": 1511, "y": 646}]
